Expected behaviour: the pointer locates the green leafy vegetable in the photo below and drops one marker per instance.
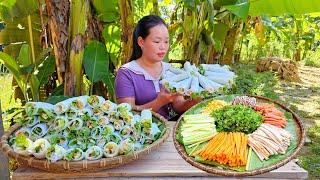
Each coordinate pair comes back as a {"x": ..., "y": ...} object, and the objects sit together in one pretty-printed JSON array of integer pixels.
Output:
[{"x": 237, "y": 118}]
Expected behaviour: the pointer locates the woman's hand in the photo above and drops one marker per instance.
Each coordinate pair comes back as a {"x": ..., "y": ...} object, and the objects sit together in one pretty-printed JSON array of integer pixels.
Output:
[
  {"x": 164, "y": 96},
  {"x": 180, "y": 105}
]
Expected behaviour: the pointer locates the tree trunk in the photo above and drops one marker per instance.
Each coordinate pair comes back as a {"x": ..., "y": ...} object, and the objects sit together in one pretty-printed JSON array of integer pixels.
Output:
[
  {"x": 229, "y": 44},
  {"x": 73, "y": 76},
  {"x": 58, "y": 12},
  {"x": 297, "y": 55},
  {"x": 78, "y": 25},
  {"x": 127, "y": 25}
]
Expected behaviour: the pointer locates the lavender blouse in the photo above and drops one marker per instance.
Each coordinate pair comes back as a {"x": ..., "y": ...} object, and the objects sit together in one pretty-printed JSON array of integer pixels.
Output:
[{"x": 133, "y": 81}]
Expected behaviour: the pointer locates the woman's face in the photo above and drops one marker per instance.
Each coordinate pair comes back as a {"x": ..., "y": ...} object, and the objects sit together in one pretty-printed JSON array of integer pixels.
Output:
[{"x": 155, "y": 46}]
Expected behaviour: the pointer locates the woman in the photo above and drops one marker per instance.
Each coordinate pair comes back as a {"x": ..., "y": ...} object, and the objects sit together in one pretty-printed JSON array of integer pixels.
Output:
[{"x": 137, "y": 82}]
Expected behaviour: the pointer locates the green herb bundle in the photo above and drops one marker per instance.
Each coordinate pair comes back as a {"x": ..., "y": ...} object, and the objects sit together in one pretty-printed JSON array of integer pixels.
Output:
[{"x": 237, "y": 118}]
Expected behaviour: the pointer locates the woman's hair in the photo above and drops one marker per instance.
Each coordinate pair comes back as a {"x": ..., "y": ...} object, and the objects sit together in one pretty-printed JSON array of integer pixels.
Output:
[{"x": 142, "y": 30}]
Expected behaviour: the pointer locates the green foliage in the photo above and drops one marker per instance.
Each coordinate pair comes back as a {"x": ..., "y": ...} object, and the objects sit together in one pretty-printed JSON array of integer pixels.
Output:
[
  {"x": 107, "y": 11},
  {"x": 96, "y": 61},
  {"x": 56, "y": 99},
  {"x": 17, "y": 8},
  {"x": 248, "y": 81},
  {"x": 241, "y": 10},
  {"x": 313, "y": 59},
  {"x": 96, "y": 64},
  {"x": 311, "y": 161},
  {"x": 45, "y": 70},
  {"x": 237, "y": 118},
  {"x": 111, "y": 35}
]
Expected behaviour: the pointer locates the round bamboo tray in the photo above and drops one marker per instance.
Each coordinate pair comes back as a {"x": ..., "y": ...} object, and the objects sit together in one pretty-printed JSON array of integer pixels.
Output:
[
  {"x": 222, "y": 172},
  {"x": 84, "y": 165}
]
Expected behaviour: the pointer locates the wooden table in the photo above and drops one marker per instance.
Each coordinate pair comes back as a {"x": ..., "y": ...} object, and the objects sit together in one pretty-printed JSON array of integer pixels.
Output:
[{"x": 164, "y": 163}]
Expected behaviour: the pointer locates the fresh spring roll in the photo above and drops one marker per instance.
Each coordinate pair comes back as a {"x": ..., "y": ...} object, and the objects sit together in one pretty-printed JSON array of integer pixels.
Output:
[
  {"x": 108, "y": 129},
  {"x": 31, "y": 121},
  {"x": 75, "y": 124},
  {"x": 97, "y": 112},
  {"x": 103, "y": 121},
  {"x": 166, "y": 83},
  {"x": 72, "y": 113},
  {"x": 74, "y": 154},
  {"x": 146, "y": 118},
  {"x": 145, "y": 139},
  {"x": 58, "y": 139},
  {"x": 39, "y": 131},
  {"x": 208, "y": 85},
  {"x": 136, "y": 126},
  {"x": 168, "y": 74},
  {"x": 194, "y": 88},
  {"x": 118, "y": 124},
  {"x": 127, "y": 117},
  {"x": 87, "y": 111},
  {"x": 126, "y": 146},
  {"x": 108, "y": 106},
  {"x": 25, "y": 131},
  {"x": 39, "y": 148},
  {"x": 95, "y": 101},
  {"x": 123, "y": 108},
  {"x": 79, "y": 103},
  {"x": 59, "y": 124},
  {"x": 90, "y": 142},
  {"x": 192, "y": 70},
  {"x": 183, "y": 86},
  {"x": 221, "y": 78},
  {"x": 111, "y": 149},
  {"x": 93, "y": 153},
  {"x": 153, "y": 132},
  {"x": 55, "y": 153},
  {"x": 179, "y": 77},
  {"x": 63, "y": 106},
  {"x": 32, "y": 108},
  {"x": 91, "y": 122},
  {"x": 96, "y": 132},
  {"x": 176, "y": 70},
  {"x": 113, "y": 115},
  {"x": 101, "y": 142},
  {"x": 77, "y": 143},
  {"x": 69, "y": 134},
  {"x": 114, "y": 137},
  {"x": 22, "y": 145},
  {"x": 142, "y": 138},
  {"x": 125, "y": 131}
]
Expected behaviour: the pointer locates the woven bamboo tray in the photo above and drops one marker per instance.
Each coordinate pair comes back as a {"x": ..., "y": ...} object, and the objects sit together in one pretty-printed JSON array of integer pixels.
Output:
[
  {"x": 219, "y": 171},
  {"x": 84, "y": 165}
]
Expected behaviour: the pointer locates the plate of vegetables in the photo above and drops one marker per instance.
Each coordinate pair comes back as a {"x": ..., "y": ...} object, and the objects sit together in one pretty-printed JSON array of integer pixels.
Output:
[
  {"x": 238, "y": 135},
  {"x": 85, "y": 133}
]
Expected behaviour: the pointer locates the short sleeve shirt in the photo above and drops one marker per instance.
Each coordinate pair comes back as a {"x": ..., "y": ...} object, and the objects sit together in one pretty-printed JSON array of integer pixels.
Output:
[{"x": 133, "y": 81}]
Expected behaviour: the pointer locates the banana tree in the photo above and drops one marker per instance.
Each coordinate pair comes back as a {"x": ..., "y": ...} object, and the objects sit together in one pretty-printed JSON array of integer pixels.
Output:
[{"x": 23, "y": 25}]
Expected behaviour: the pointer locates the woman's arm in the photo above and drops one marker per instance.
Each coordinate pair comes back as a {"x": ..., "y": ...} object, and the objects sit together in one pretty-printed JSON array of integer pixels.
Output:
[
  {"x": 180, "y": 105},
  {"x": 162, "y": 99}
]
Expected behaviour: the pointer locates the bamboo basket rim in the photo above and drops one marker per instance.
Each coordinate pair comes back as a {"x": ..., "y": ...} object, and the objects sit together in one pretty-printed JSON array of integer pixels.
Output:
[
  {"x": 83, "y": 165},
  {"x": 218, "y": 171}
]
